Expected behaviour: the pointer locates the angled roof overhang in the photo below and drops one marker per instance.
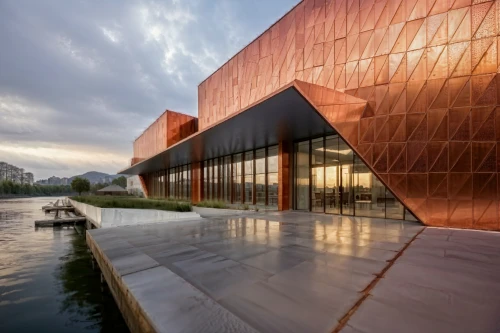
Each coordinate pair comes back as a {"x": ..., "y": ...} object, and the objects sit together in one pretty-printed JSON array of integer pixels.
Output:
[{"x": 283, "y": 116}]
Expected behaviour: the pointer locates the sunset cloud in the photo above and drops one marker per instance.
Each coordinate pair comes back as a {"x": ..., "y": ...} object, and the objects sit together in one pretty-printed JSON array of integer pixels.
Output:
[{"x": 81, "y": 79}]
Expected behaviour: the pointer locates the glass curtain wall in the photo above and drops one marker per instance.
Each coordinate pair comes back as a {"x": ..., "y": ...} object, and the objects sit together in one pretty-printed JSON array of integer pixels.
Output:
[
  {"x": 346, "y": 157},
  {"x": 248, "y": 169},
  {"x": 302, "y": 175},
  {"x": 227, "y": 179},
  {"x": 250, "y": 177},
  {"x": 272, "y": 176},
  {"x": 332, "y": 175},
  {"x": 205, "y": 181},
  {"x": 331, "y": 178},
  {"x": 215, "y": 187},
  {"x": 317, "y": 175},
  {"x": 171, "y": 183},
  {"x": 237, "y": 175},
  {"x": 260, "y": 177},
  {"x": 210, "y": 180},
  {"x": 186, "y": 184}
]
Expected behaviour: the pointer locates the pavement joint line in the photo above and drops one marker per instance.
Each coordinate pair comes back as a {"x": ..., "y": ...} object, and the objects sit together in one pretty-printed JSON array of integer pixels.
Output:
[
  {"x": 366, "y": 292},
  {"x": 141, "y": 270}
]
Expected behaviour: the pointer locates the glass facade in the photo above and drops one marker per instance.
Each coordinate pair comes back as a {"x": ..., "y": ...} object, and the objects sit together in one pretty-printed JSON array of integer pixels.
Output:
[
  {"x": 249, "y": 174},
  {"x": 227, "y": 179},
  {"x": 237, "y": 169},
  {"x": 171, "y": 183},
  {"x": 328, "y": 178},
  {"x": 250, "y": 178},
  {"x": 272, "y": 176},
  {"x": 260, "y": 177},
  {"x": 331, "y": 178}
]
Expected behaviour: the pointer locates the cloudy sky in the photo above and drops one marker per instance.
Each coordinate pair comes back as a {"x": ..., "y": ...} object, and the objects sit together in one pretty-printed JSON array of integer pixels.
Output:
[{"x": 80, "y": 79}]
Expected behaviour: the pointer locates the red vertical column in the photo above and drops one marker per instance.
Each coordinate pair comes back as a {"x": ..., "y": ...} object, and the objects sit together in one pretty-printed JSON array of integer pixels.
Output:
[
  {"x": 196, "y": 182},
  {"x": 283, "y": 176}
]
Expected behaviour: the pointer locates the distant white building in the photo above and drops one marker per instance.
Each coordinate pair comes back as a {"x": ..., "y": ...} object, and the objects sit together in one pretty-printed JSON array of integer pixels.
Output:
[{"x": 134, "y": 186}]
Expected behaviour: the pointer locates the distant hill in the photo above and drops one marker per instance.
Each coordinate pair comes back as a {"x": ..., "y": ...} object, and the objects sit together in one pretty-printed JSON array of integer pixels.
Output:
[{"x": 95, "y": 177}]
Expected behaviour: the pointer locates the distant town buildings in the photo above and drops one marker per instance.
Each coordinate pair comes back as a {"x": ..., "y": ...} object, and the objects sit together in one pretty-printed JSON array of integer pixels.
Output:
[
  {"x": 15, "y": 174},
  {"x": 54, "y": 181},
  {"x": 108, "y": 179}
]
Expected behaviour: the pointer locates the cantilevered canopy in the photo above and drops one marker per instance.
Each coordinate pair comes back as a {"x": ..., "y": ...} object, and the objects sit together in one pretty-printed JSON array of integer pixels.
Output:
[{"x": 286, "y": 115}]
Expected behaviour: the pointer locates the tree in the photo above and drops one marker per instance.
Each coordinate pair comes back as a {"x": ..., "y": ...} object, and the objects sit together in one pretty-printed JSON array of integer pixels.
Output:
[
  {"x": 80, "y": 185},
  {"x": 120, "y": 181}
]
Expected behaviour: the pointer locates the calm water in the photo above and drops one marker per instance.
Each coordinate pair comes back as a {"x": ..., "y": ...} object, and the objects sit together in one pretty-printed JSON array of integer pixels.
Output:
[{"x": 46, "y": 279}]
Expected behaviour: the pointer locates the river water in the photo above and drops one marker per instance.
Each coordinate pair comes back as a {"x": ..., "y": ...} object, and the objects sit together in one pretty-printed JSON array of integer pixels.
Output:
[{"x": 47, "y": 283}]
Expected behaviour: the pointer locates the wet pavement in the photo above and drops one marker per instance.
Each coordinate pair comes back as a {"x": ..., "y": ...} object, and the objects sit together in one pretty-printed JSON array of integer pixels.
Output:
[
  {"x": 446, "y": 281},
  {"x": 300, "y": 272}
]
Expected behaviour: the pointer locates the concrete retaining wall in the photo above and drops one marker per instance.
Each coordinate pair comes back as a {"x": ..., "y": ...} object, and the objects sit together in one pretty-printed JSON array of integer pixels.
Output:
[
  {"x": 213, "y": 212},
  {"x": 117, "y": 217}
]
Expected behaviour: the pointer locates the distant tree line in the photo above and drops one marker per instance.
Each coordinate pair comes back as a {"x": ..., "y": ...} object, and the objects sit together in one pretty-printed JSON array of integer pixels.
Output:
[
  {"x": 8, "y": 187},
  {"x": 82, "y": 185}
]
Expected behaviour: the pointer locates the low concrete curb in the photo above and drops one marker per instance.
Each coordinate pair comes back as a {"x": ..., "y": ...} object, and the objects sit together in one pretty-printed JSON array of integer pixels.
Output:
[{"x": 120, "y": 217}]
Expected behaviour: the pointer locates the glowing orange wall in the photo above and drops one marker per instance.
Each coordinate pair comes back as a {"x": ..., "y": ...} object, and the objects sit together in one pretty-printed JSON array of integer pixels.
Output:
[
  {"x": 170, "y": 128},
  {"x": 428, "y": 72}
]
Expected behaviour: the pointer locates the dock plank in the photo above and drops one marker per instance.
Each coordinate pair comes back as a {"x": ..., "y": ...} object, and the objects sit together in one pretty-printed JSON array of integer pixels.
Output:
[{"x": 60, "y": 222}]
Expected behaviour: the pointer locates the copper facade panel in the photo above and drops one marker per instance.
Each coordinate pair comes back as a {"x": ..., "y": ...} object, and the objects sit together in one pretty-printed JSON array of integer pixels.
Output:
[
  {"x": 170, "y": 128},
  {"x": 411, "y": 85},
  {"x": 427, "y": 74}
]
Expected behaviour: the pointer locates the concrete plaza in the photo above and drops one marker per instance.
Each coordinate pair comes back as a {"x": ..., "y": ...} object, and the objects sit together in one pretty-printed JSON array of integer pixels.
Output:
[{"x": 303, "y": 272}]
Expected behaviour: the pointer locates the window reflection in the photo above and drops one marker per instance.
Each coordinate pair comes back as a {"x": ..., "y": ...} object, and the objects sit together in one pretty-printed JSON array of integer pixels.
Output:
[
  {"x": 237, "y": 178},
  {"x": 369, "y": 192},
  {"x": 394, "y": 209},
  {"x": 272, "y": 189},
  {"x": 260, "y": 177},
  {"x": 302, "y": 175},
  {"x": 272, "y": 176},
  {"x": 249, "y": 177},
  {"x": 227, "y": 178},
  {"x": 215, "y": 195},
  {"x": 330, "y": 178}
]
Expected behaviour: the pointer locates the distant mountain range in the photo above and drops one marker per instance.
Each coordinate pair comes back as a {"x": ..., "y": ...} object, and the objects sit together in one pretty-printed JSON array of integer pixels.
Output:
[{"x": 95, "y": 177}]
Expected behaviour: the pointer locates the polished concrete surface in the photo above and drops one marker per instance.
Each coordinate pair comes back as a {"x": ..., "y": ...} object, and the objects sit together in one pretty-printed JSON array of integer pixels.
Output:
[
  {"x": 446, "y": 281},
  {"x": 300, "y": 272}
]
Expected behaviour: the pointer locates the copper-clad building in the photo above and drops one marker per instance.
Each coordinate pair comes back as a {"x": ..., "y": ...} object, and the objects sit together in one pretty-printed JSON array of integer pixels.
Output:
[{"x": 367, "y": 108}]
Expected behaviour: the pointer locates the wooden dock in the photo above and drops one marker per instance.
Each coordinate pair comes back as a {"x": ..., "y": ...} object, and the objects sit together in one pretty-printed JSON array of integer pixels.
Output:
[
  {"x": 71, "y": 221},
  {"x": 64, "y": 206},
  {"x": 70, "y": 218},
  {"x": 59, "y": 208}
]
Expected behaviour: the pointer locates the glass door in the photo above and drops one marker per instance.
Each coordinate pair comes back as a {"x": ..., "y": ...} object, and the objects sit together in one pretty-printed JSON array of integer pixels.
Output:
[
  {"x": 347, "y": 190},
  {"x": 332, "y": 190},
  {"x": 302, "y": 175},
  {"x": 318, "y": 189}
]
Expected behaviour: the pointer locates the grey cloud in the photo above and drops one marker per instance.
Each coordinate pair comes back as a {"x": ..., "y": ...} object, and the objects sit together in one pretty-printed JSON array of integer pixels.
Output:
[{"x": 55, "y": 56}]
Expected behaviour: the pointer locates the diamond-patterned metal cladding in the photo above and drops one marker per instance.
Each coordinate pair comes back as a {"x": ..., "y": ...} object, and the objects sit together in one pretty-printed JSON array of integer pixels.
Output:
[
  {"x": 424, "y": 83},
  {"x": 170, "y": 128}
]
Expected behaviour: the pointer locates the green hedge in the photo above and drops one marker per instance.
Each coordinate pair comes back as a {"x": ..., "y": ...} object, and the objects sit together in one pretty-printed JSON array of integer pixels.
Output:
[{"x": 136, "y": 203}]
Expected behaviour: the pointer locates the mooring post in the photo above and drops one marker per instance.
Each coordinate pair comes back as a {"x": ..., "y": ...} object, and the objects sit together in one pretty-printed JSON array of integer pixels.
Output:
[{"x": 94, "y": 262}]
